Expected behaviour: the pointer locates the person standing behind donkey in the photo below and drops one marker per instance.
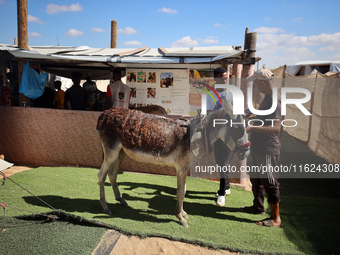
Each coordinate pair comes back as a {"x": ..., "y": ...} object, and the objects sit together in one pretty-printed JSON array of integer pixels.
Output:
[
  {"x": 118, "y": 94},
  {"x": 265, "y": 151},
  {"x": 91, "y": 88},
  {"x": 59, "y": 95},
  {"x": 76, "y": 95}
]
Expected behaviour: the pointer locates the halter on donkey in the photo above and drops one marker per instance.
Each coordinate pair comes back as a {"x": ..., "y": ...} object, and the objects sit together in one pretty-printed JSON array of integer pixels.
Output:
[{"x": 234, "y": 137}]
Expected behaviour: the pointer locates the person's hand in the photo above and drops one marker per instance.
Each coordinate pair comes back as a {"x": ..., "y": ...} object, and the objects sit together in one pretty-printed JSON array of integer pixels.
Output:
[{"x": 249, "y": 128}]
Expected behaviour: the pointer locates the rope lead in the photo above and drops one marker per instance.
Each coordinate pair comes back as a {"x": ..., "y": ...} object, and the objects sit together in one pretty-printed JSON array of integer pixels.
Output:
[{"x": 4, "y": 206}]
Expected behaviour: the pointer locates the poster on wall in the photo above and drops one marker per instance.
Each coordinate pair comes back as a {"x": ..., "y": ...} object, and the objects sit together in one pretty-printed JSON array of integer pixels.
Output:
[{"x": 167, "y": 88}]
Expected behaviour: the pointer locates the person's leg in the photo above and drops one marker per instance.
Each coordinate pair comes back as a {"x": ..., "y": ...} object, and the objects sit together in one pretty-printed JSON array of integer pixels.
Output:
[
  {"x": 258, "y": 193},
  {"x": 257, "y": 187},
  {"x": 221, "y": 157},
  {"x": 271, "y": 186},
  {"x": 224, "y": 185}
]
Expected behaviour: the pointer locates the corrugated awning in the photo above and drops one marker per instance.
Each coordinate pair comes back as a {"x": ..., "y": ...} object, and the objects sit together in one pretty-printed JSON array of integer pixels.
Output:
[{"x": 63, "y": 60}]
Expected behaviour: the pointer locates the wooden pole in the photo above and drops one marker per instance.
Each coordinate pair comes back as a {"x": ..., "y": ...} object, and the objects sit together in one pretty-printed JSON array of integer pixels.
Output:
[
  {"x": 248, "y": 70},
  {"x": 22, "y": 43},
  {"x": 237, "y": 71},
  {"x": 113, "y": 34},
  {"x": 22, "y": 24}
]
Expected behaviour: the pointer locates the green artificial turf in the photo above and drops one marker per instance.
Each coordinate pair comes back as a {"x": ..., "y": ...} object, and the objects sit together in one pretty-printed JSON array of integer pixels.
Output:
[
  {"x": 310, "y": 225},
  {"x": 48, "y": 238}
]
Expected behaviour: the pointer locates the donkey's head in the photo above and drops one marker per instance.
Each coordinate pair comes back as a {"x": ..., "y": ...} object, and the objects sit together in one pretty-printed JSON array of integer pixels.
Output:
[{"x": 236, "y": 132}]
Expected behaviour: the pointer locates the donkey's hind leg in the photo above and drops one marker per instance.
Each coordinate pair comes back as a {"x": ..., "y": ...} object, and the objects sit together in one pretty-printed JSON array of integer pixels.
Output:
[
  {"x": 113, "y": 177},
  {"x": 110, "y": 160}
]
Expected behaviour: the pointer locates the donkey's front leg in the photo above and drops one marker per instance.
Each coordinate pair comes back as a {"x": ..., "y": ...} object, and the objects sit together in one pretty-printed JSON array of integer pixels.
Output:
[{"x": 180, "y": 213}]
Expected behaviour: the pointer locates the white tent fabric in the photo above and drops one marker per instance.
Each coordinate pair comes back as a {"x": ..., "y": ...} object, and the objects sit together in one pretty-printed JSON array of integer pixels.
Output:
[
  {"x": 4, "y": 164},
  {"x": 293, "y": 70},
  {"x": 335, "y": 67}
]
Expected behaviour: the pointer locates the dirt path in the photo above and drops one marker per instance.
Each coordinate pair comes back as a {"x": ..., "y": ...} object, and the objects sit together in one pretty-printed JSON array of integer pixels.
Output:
[{"x": 115, "y": 243}]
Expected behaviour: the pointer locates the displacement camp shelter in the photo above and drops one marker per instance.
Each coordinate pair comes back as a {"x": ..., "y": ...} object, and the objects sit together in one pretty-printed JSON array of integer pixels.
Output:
[
  {"x": 308, "y": 67},
  {"x": 145, "y": 67},
  {"x": 35, "y": 136},
  {"x": 320, "y": 131}
]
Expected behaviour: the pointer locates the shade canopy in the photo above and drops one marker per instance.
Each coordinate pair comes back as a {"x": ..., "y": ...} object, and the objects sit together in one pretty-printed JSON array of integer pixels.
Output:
[{"x": 62, "y": 60}]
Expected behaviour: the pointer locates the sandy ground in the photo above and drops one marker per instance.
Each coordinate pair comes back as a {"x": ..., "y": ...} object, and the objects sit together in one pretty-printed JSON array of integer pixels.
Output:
[
  {"x": 134, "y": 245},
  {"x": 115, "y": 243}
]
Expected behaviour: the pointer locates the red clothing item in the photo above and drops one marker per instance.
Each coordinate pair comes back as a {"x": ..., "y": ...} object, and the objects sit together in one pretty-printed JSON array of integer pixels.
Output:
[
  {"x": 6, "y": 98},
  {"x": 108, "y": 92}
]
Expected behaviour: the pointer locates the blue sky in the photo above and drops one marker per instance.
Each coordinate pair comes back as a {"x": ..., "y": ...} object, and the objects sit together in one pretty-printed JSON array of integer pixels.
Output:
[{"x": 288, "y": 31}]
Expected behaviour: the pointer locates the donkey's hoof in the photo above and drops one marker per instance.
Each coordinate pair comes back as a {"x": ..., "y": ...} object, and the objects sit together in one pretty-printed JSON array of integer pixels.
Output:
[
  {"x": 184, "y": 223},
  {"x": 185, "y": 215}
]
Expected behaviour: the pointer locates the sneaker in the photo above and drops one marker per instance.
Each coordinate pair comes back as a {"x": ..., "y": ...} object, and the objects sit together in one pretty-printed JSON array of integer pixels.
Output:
[
  {"x": 227, "y": 192},
  {"x": 220, "y": 200}
]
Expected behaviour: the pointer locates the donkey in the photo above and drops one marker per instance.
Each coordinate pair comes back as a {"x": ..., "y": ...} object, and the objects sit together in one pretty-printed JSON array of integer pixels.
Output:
[
  {"x": 153, "y": 139},
  {"x": 153, "y": 109}
]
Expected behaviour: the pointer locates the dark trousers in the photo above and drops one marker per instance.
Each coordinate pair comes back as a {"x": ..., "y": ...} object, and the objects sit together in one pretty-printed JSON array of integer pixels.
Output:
[
  {"x": 265, "y": 181},
  {"x": 221, "y": 156}
]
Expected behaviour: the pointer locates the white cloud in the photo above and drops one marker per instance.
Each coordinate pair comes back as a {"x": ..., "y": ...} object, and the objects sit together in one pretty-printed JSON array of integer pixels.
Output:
[
  {"x": 132, "y": 43},
  {"x": 185, "y": 41},
  {"x": 217, "y": 24},
  {"x": 299, "y": 52},
  {"x": 34, "y": 34},
  {"x": 279, "y": 49},
  {"x": 54, "y": 8},
  {"x": 212, "y": 37},
  {"x": 298, "y": 19},
  {"x": 210, "y": 41},
  {"x": 269, "y": 30},
  {"x": 328, "y": 48},
  {"x": 33, "y": 19},
  {"x": 268, "y": 19},
  {"x": 97, "y": 29},
  {"x": 2, "y": 2},
  {"x": 127, "y": 31},
  {"x": 167, "y": 10},
  {"x": 74, "y": 33}
]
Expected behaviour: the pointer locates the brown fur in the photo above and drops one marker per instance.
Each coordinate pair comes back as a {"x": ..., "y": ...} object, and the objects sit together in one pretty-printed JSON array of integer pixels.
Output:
[
  {"x": 150, "y": 139},
  {"x": 146, "y": 132},
  {"x": 153, "y": 109}
]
